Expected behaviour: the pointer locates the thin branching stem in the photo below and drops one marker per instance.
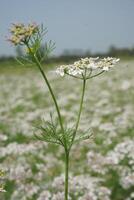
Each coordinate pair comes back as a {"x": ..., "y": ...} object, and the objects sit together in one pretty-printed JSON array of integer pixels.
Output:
[
  {"x": 95, "y": 75},
  {"x": 81, "y": 104},
  {"x": 67, "y": 152},
  {"x": 53, "y": 96},
  {"x": 74, "y": 76},
  {"x": 61, "y": 124},
  {"x": 51, "y": 92},
  {"x": 80, "y": 110}
]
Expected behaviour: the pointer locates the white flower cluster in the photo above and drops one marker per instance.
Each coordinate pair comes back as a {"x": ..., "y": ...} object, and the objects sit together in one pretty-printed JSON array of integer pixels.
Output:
[
  {"x": 90, "y": 64},
  {"x": 124, "y": 150},
  {"x": 83, "y": 187},
  {"x": 45, "y": 195},
  {"x": 121, "y": 159},
  {"x": 25, "y": 191},
  {"x": 127, "y": 179},
  {"x": 19, "y": 149},
  {"x": 19, "y": 172}
]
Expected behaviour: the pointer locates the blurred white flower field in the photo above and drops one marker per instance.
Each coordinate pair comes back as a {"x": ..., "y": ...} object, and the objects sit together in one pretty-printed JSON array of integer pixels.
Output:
[{"x": 102, "y": 168}]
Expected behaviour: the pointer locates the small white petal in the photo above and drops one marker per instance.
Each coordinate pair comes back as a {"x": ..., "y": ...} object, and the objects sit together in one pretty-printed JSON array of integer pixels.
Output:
[{"x": 105, "y": 68}]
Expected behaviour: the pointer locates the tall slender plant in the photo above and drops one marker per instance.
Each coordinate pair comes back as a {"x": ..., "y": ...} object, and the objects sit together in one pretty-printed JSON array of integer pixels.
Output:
[{"x": 30, "y": 36}]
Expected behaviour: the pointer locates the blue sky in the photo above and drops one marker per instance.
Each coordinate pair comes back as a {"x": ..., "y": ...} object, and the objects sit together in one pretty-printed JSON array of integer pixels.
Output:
[{"x": 73, "y": 24}]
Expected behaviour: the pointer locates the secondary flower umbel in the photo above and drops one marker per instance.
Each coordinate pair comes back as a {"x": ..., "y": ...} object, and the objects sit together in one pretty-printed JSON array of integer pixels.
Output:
[
  {"x": 86, "y": 66},
  {"x": 21, "y": 33}
]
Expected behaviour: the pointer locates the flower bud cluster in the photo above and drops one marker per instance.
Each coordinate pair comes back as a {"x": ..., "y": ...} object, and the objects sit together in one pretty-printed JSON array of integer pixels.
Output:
[
  {"x": 21, "y": 33},
  {"x": 87, "y": 64}
]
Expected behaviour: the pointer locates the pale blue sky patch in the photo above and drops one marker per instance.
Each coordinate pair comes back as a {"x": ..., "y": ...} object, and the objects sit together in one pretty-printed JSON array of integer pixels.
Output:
[{"x": 73, "y": 24}]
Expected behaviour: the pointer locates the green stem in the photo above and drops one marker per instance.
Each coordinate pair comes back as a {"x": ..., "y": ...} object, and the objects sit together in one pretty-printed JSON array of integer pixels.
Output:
[
  {"x": 51, "y": 92},
  {"x": 66, "y": 174},
  {"x": 80, "y": 110},
  {"x": 60, "y": 120},
  {"x": 67, "y": 152}
]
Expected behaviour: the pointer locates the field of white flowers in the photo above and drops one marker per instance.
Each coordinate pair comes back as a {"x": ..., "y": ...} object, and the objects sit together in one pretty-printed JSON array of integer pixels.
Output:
[{"x": 102, "y": 168}]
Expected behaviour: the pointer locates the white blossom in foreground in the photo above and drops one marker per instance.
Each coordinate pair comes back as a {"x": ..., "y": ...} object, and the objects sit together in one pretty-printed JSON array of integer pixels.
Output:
[
  {"x": 45, "y": 195},
  {"x": 85, "y": 66}
]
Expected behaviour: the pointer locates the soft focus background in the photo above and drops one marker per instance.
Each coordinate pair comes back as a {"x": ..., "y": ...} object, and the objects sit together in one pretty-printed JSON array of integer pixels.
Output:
[{"x": 103, "y": 167}]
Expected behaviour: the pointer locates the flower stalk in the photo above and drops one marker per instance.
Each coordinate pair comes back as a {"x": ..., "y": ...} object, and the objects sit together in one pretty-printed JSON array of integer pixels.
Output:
[
  {"x": 50, "y": 90},
  {"x": 66, "y": 174},
  {"x": 80, "y": 110}
]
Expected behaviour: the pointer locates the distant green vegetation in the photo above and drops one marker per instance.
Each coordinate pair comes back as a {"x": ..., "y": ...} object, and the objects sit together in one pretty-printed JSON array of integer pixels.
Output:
[{"x": 71, "y": 55}]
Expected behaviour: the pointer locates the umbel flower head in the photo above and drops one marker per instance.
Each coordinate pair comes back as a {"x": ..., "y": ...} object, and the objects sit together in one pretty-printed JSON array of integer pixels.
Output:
[
  {"x": 21, "y": 33},
  {"x": 86, "y": 67},
  {"x": 30, "y": 38}
]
